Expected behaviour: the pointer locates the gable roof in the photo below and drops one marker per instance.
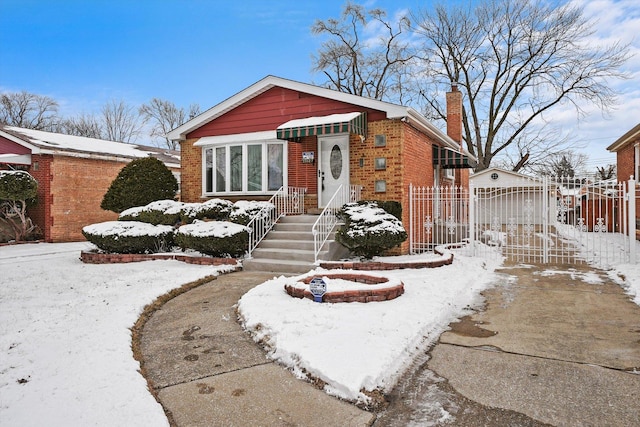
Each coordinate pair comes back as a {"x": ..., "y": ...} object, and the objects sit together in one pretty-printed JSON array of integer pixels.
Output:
[
  {"x": 41, "y": 142},
  {"x": 392, "y": 111},
  {"x": 629, "y": 137}
]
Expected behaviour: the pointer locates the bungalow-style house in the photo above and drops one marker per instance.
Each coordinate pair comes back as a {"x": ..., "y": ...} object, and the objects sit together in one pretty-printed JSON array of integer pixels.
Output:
[
  {"x": 282, "y": 133},
  {"x": 73, "y": 174}
]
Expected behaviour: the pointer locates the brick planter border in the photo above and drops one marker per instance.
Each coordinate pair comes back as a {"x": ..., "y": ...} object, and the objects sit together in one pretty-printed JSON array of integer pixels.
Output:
[
  {"x": 381, "y": 266},
  {"x": 353, "y": 295},
  {"x": 89, "y": 257}
]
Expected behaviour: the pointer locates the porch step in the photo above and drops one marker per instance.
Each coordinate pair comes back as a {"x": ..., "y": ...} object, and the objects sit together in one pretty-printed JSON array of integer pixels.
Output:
[{"x": 289, "y": 247}]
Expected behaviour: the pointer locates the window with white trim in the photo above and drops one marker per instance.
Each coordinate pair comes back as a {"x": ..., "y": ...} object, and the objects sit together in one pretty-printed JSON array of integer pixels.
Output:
[{"x": 239, "y": 168}]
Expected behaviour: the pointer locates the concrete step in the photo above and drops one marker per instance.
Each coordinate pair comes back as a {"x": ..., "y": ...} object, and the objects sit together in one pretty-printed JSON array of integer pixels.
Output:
[
  {"x": 286, "y": 267},
  {"x": 305, "y": 245},
  {"x": 289, "y": 247},
  {"x": 300, "y": 219},
  {"x": 284, "y": 254},
  {"x": 290, "y": 235}
]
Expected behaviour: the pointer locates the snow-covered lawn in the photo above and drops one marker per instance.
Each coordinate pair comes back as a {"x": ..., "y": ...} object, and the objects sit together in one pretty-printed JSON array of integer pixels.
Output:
[
  {"x": 354, "y": 346},
  {"x": 65, "y": 342}
]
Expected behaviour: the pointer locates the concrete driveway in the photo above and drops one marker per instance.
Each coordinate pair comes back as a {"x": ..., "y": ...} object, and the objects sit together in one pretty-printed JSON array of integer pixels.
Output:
[{"x": 554, "y": 346}]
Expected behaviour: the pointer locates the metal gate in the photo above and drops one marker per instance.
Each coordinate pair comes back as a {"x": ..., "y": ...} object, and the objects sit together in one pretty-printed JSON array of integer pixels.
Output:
[{"x": 537, "y": 220}]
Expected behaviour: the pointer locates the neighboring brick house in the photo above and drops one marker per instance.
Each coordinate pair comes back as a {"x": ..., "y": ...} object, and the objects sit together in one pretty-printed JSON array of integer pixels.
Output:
[
  {"x": 279, "y": 132},
  {"x": 73, "y": 174},
  {"x": 627, "y": 149}
]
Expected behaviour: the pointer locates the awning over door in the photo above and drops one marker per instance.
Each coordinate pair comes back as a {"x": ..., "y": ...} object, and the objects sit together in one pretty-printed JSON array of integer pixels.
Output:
[
  {"x": 355, "y": 123},
  {"x": 448, "y": 158}
]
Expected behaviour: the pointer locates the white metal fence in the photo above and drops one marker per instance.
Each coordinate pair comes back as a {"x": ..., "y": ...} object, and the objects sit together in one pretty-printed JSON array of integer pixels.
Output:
[{"x": 545, "y": 220}]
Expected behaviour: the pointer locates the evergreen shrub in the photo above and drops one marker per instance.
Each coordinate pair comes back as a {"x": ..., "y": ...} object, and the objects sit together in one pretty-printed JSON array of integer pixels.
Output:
[
  {"x": 129, "y": 237},
  {"x": 166, "y": 212},
  {"x": 139, "y": 183},
  {"x": 213, "y": 210},
  {"x": 369, "y": 230},
  {"x": 215, "y": 238},
  {"x": 245, "y": 210}
]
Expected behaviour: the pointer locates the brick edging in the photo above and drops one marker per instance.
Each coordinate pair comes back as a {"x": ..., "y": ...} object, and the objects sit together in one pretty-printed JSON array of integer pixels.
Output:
[
  {"x": 89, "y": 257},
  {"x": 351, "y": 295},
  {"x": 379, "y": 266}
]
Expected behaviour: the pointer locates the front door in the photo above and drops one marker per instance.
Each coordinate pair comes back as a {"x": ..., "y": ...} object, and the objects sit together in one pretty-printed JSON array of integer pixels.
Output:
[{"x": 333, "y": 169}]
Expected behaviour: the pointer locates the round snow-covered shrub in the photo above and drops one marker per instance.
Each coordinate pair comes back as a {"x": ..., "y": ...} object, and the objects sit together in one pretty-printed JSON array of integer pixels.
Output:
[
  {"x": 129, "y": 237},
  {"x": 369, "y": 230},
  {"x": 245, "y": 210},
  {"x": 140, "y": 182},
  {"x": 213, "y": 209},
  {"x": 215, "y": 238},
  {"x": 166, "y": 212}
]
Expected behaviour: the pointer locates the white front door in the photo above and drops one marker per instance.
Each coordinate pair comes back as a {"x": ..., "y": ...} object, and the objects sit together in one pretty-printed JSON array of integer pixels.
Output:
[{"x": 333, "y": 166}]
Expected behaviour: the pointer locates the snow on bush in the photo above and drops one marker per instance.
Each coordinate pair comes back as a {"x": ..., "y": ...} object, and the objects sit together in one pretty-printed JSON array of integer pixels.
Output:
[
  {"x": 227, "y": 222},
  {"x": 215, "y": 238},
  {"x": 165, "y": 212},
  {"x": 245, "y": 210},
  {"x": 129, "y": 237},
  {"x": 213, "y": 209},
  {"x": 369, "y": 230}
]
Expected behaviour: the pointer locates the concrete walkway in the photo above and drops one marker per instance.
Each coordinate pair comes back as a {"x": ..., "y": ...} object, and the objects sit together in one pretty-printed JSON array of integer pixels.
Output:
[
  {"x": 548, "y": 349},
  {"x": 561, "y": 348},
  {"x": 208, "y": 372}
]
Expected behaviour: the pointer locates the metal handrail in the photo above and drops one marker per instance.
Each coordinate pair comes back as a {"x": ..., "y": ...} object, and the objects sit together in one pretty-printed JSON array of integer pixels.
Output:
[
  {"x": 283, "y": 202},
  {"x": 328, "y": 218}
]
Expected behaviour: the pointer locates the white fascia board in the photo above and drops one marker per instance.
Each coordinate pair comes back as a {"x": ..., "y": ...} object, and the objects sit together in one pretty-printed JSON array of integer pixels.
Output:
[
  {"x": 269, "y": 135},
  {"x": 630, "y": 135},
  {"x": 34, "y": 149},
  {"x": 16, "y": 159}
]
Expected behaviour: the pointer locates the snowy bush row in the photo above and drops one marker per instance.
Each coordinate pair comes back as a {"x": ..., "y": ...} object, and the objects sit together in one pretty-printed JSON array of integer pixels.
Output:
[
  {"x": 170, "y": 212},
  {"x": 216, "y": 227}
]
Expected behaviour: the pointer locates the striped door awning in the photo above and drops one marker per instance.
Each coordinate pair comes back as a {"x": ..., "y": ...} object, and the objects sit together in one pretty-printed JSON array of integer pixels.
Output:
[
  {"x": 448, "y": 158},
  {"x": 354, "y": 123}
]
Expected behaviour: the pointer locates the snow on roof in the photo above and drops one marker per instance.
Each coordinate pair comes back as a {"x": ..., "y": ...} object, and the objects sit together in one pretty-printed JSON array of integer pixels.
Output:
[{"x": 54, "y": 143}]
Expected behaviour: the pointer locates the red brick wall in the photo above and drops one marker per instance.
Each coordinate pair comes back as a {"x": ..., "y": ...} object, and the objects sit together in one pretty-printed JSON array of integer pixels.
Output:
[
  {"x": 191, "y": 171},
  {"x": 626, "y": 162},
  {"x": 626, "y": 168},
  {"x": 77, "y": 188},
  {"x": 41, "y": 212}
]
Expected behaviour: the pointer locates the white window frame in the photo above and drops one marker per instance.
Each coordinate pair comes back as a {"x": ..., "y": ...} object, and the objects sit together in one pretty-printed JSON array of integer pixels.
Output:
[
  {"x": 244, "y": 140},
  {"x": 449, "y": 173},
  {"x": 636, "y": 162}
]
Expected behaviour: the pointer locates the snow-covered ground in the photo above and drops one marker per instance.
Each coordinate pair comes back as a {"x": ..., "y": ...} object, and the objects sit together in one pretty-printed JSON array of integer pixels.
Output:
[
  {"x": 65, "y": 343},
  {"x": 359, "y": 346}
]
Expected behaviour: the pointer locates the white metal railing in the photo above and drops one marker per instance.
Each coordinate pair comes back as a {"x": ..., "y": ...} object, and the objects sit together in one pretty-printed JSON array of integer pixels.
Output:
[
  {"x": 286, "y": 201},
  {"x": 328, "y": 219}
]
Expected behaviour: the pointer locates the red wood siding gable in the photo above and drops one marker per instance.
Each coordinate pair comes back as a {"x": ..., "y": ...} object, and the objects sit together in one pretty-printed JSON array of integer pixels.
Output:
[
  {"x": 10, "y": 147},
  {"x": 274, "y": 107}
]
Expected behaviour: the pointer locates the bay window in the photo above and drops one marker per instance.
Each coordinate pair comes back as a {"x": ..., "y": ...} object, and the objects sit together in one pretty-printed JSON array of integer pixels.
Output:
[{"x": 248, "y": 167}]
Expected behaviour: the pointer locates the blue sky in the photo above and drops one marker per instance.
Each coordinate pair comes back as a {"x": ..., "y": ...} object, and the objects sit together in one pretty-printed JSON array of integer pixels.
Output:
[{"x": 84, "y": 53}]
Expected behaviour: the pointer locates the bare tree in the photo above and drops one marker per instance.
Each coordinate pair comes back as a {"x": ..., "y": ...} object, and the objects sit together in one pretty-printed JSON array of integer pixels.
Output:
[
  {"x": 28, "y": 110},
  {"x": 515, "y": 60},
  {"x": 165, "y": 116},
  {"x": 82, "y": 125},
  {"x": 567, "y": 163},
  {"x": 375, "y": 67},
  {"x": 604, "y": 173},
  {"x": 121, "y": 122}
]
